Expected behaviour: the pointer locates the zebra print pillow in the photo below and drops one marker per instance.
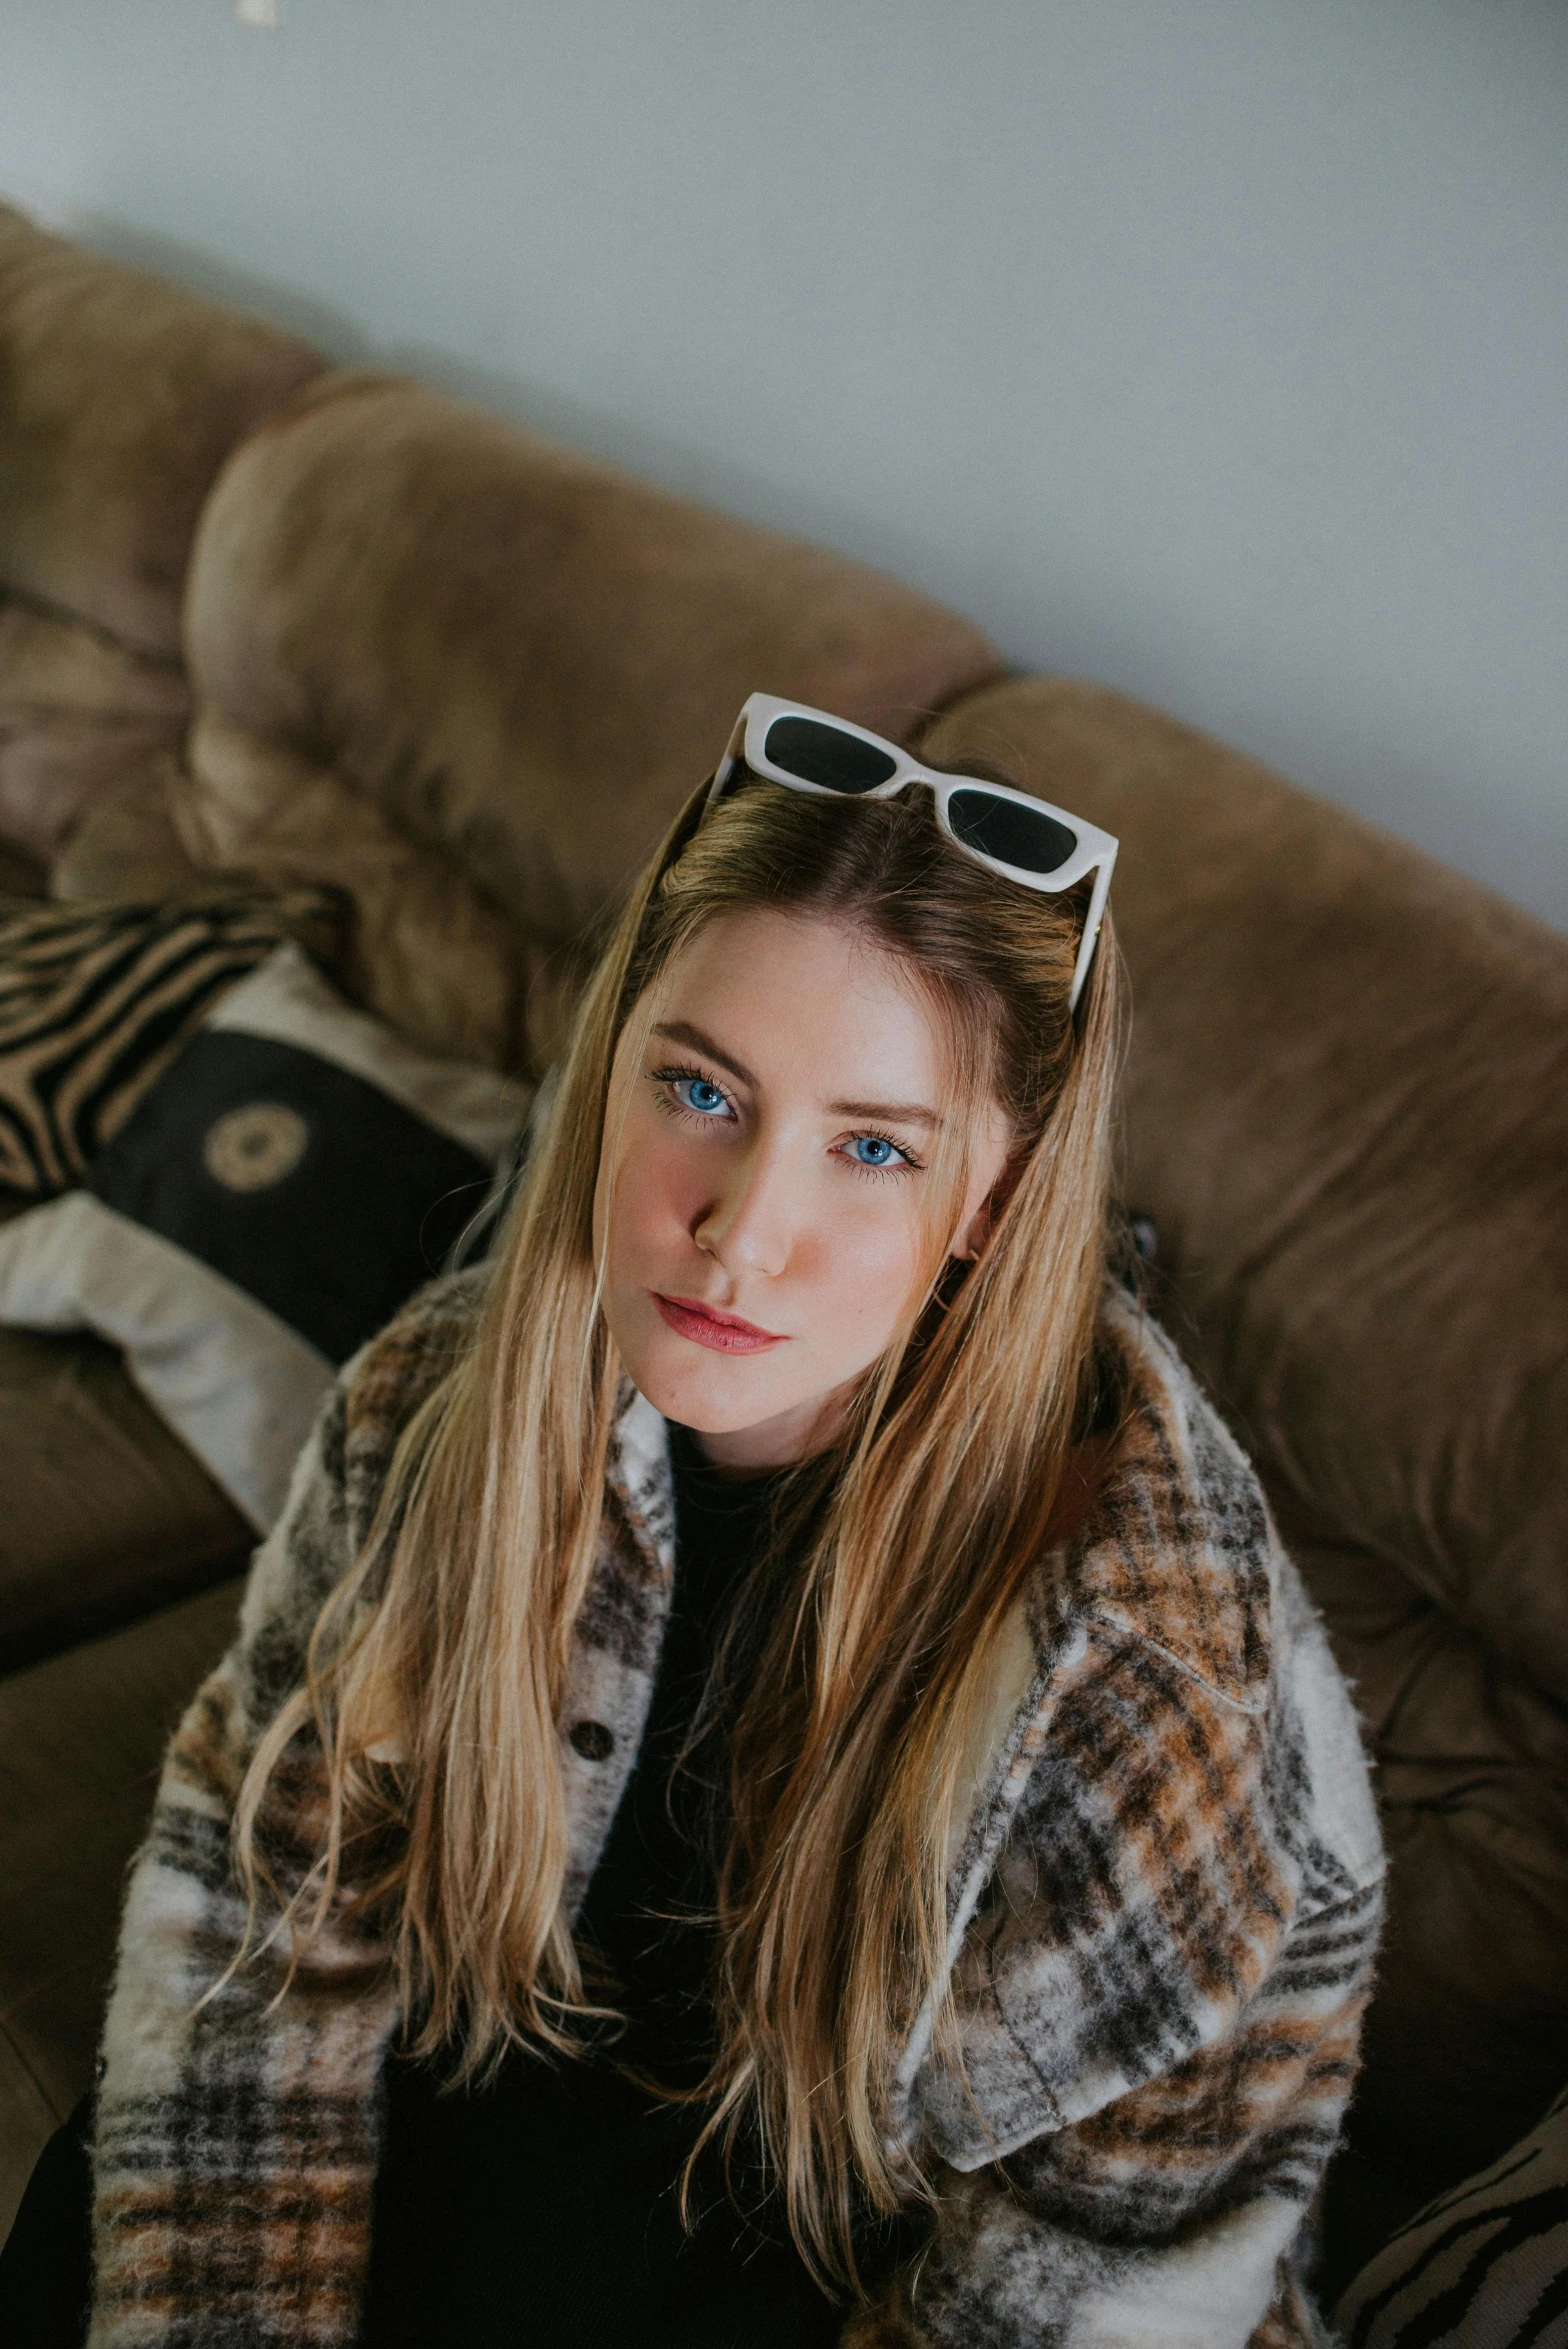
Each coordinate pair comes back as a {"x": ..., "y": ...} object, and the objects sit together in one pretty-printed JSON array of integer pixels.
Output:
[
  {"x": 95, "y": 1001},
  {"x": 1484, "y": 2267}
]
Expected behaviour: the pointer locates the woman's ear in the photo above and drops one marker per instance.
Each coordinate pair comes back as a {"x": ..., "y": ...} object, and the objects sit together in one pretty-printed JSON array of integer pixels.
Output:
[{"x": 977, "y": 1231}]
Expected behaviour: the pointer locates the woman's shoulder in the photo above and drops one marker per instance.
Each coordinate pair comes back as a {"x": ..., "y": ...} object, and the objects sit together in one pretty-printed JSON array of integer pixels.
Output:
[
  {"x": 383, "y": 1386},
  {"x": 1174, "y": 1544},
  {"x": 338, "y": 1479},
  {"x": 1177, "y": 1561}
]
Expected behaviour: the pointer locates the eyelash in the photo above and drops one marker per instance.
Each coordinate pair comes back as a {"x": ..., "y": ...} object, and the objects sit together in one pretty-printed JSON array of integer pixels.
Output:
[
  {"x": 664, "y": 1078},
  {"x": 881, "y": 1174}
]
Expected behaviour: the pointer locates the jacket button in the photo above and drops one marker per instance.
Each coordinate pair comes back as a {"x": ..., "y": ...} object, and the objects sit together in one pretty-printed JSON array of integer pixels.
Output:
[{"x": 592, "y": 1740}]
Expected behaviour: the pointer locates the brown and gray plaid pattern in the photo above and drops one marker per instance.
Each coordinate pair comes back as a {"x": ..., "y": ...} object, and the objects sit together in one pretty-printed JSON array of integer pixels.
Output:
[{"x": 1165, "y": 1912}]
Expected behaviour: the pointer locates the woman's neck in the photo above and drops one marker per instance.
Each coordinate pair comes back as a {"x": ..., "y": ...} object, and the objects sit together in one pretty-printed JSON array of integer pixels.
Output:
[{"x": 781, "y": 1442}]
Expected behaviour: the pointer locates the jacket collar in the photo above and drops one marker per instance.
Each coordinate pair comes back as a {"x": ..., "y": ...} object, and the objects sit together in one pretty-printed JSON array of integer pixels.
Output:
[{"x": 639, "y": 1474}]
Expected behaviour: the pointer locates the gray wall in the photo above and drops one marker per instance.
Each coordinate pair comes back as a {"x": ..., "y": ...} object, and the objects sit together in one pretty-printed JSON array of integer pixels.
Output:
[{"x": 1217, "y": 349}]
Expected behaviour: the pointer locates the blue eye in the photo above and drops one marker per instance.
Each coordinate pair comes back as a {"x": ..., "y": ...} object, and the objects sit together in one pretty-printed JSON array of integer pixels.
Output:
[
  {"x": 875, "y": 1150},
  {"x": 698, "y": 1094}
]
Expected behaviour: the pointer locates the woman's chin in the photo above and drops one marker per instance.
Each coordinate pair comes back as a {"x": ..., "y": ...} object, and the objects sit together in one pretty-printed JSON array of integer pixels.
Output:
[{"x": 715, "y": 1394}]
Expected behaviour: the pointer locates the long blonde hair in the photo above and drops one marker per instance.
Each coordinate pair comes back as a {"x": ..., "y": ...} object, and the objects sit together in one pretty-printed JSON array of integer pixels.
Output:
[{"x": 455, "y": 1629}]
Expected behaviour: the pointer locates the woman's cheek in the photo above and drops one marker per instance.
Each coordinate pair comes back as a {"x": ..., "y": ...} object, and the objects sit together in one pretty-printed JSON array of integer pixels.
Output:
[
  {"x": 659, "y": 1196},
  {"x": 872, "y": 1274}
]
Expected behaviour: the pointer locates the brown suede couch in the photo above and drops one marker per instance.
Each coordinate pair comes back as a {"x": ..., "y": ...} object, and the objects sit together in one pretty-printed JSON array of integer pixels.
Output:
[{"x": 260, "y": 617}]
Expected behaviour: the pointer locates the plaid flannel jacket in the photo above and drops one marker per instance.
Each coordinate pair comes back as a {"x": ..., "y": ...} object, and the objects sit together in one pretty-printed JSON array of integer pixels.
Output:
[{"x": 1165, "y": 1905}]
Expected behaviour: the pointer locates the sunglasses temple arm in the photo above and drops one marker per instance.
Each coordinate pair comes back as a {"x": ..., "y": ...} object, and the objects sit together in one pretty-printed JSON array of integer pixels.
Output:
[
  {"x": 1091, "y": 930},
  {"x": 733, "y": 753}
]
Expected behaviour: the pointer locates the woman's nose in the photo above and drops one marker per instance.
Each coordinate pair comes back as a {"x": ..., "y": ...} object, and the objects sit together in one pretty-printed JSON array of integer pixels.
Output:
[{"x": 747, "y": 1225}]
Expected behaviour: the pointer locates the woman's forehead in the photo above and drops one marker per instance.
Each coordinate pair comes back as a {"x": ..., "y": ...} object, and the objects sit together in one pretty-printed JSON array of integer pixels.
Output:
[{"x": 784, "y": 995}]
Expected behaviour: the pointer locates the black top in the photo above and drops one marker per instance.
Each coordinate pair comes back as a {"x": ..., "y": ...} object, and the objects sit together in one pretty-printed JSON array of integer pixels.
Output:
[{"x": 542, "y": 2209}]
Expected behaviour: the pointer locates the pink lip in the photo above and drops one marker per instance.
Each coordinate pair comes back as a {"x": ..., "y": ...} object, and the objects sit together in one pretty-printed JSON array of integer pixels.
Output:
[{"x": 726, "y": 1333}]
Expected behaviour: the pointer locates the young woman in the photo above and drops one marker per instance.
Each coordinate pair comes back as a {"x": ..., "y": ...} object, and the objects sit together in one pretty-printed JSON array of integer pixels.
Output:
[{"x": 774, "y": 1785}]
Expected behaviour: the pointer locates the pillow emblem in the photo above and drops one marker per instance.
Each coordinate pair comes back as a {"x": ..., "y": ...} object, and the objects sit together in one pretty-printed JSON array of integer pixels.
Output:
[{"x": 252, "y": 1148}]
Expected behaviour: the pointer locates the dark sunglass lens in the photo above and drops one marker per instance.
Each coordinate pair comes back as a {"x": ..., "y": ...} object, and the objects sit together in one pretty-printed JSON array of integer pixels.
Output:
[
  {"x": 1023, "y": 836},
  {"x": 824, "y": 754}
]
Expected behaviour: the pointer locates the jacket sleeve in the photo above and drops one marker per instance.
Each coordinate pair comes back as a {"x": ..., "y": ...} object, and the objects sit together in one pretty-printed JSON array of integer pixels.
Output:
[
  {"x": 235, "y": 2137},
  {"x": 1160, "y": 1989},
  {"x": 1168, "y": 2220}
]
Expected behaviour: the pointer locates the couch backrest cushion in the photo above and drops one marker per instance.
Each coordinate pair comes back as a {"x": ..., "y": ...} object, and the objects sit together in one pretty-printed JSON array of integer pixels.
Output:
[
  {"x": 120, "y": 397},
  {"x": 1347, "y": 1113},
  {"x": 424, "y": 949},
  {"x": 79, "y": 714},
  {"x": 526, "y": 659}
]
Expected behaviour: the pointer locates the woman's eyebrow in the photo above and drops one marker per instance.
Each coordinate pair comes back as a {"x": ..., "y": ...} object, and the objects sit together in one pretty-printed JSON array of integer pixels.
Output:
[
  {"x": 901, "y": 1113},
  {"x": 890, "y": 1113},
  {"x": 682, "y": 1032}
]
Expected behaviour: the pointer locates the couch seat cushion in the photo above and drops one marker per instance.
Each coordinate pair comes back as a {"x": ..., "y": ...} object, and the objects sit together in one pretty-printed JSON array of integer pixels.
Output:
[{"x": 107, "y": 1513}]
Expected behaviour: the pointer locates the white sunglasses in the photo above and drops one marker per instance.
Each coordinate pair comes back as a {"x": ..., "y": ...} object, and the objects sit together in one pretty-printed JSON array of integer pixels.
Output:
[{"x": 1009, "y": 832}]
